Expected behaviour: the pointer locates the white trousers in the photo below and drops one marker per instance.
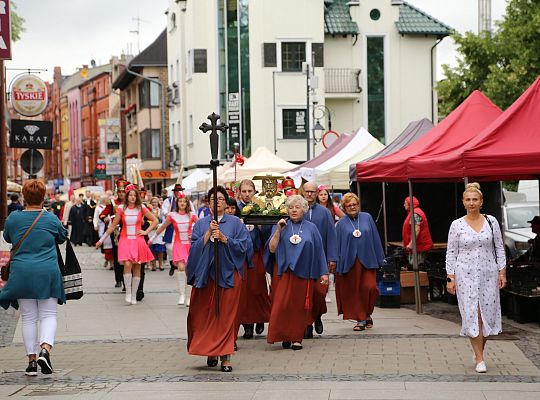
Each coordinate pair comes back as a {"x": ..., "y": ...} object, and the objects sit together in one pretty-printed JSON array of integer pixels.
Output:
[{"x": 32, "y": 311}]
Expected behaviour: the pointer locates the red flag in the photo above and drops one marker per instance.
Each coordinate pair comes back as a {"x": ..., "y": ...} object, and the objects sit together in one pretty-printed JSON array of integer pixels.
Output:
[{"x": 239, "y": 159}]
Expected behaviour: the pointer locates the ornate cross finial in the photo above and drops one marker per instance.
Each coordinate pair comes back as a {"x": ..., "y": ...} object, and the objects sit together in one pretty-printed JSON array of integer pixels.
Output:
[{"x": 214, "y": 127}]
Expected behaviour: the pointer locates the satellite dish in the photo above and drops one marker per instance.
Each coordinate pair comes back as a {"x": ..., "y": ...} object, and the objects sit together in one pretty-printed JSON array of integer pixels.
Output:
[{"x": 93, "y": 63}]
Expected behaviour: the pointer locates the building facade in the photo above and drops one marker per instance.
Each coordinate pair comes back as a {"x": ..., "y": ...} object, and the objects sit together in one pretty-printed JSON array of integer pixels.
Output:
[
  {"x": 278, "y": 71},
  {"x": 143, "y": 83}
]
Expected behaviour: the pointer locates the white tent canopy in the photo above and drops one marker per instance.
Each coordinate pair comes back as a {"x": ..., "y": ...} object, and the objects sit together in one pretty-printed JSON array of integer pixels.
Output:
[
  {"x": 362, "y": 145},
  {"x": 262, "y": 160},
  {"x": 338, "y": 176},
  {"x": 189, "y": 183}
]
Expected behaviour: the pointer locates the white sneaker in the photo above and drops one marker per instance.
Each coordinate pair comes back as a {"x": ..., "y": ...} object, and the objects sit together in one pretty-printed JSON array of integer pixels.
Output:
[
  {"x": 328, "y": 299},
  {"x": 481, "y": 367},
  {"x": 128, "y": 298},
  {"x": 133, "y": 301},
  {"x": 182, "y": 300}
]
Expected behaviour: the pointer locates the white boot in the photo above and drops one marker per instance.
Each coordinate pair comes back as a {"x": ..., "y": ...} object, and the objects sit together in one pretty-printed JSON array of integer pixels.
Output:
[
  {"x": 181, "y": 277},
  {"x": 127, "y": 282},
  {"x": 134, "y": 286}
]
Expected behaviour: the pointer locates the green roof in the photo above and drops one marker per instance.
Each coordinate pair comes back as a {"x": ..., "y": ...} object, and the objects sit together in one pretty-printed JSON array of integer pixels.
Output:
[
  {"x": 413, "y": 21},
  {"x": 337, "y": 18}
]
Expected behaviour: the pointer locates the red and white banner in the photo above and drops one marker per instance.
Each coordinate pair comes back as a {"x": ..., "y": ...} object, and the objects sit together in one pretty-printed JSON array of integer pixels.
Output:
[{"x": 5, "y": 31}]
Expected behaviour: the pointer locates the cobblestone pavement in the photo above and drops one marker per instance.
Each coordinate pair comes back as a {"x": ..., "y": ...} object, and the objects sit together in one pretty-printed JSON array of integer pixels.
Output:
[{"x": 106, "y": 347}]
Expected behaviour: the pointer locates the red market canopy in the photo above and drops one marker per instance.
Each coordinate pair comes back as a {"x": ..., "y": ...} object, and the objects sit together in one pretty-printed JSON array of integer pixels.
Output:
[
  {"x": 509, "y": 148},
  {"x": 458, "y": 128}
]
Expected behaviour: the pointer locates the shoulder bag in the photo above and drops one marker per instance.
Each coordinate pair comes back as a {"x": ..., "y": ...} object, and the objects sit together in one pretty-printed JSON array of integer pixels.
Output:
[
  {"x": 71, "y": 272},
  {"x": 5, "y": 268}
]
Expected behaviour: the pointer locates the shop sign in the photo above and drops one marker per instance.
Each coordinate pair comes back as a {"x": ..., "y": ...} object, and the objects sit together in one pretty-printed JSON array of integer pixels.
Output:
[
  {"x": 5, "y": 31},
  {"x": 29, "y": 95},
  {"x": 30, "y": 134}
]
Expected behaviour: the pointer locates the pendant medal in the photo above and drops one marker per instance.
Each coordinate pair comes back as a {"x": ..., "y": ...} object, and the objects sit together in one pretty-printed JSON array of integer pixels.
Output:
[
  {"x": 357, "y": 233},
  {"x": 250, "y": 227},
  {"x": 295, "y": 239}
]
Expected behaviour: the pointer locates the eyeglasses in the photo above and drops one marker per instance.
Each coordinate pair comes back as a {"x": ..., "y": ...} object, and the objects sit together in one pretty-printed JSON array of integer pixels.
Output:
[{"x": 218, "y": 199}]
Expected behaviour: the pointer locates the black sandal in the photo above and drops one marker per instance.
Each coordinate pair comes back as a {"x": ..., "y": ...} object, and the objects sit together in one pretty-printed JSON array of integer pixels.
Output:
[
  {"x": 286, "y": 345},
  {"x": 226, "y": 368},
  {"x": 211, "y": 362},
  {"x": 296, "y": 347},
  {"x": 369, "y": 323}
]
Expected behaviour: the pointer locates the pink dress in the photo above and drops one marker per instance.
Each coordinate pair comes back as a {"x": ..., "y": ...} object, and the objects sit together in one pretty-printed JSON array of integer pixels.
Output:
[
  {"x": 132, "y": 247},
  {"x": 182, "y": 224}
]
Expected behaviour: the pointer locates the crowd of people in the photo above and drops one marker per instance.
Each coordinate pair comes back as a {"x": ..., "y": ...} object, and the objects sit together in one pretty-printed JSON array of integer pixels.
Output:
[{"x": 232, "y": 274}]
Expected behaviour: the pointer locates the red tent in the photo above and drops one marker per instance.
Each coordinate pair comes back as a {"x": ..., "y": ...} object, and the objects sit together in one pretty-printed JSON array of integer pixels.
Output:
[
  {"x": 459, "y": 127},
  {"x": 509, "y": 148}
]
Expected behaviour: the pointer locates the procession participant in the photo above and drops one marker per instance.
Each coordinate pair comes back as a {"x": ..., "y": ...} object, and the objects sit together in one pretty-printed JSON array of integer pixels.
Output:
[
  {"x": 107, "y": 216},
  {"x": 169, "y": 205},
  {"x": 321, "y": 217},
  {"x": 422, "y": 234},
  {"x": 66, "y": 209},
  {"x": 100, "y": 228},
  {"x": 56, "y": 205},
  {"x": 182, "y": 221},
  {"x": 89, "y": 205},
  {"x": 247, "y": 191},
  {"x": 323, "y": 198},
  {"x": 300, "y": 264},
  {"x": 209, "y": 335},
  {"x": 156, "y": 243},
  {"x": 77, "y": 221},
  {"x": 361, "y": 253},
  {"x": 476, "y": 269},
  {"x": 132, "y": 248}
]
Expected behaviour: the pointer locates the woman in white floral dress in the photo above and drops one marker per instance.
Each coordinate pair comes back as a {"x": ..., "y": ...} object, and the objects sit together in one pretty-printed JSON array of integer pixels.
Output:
[{"x": 475, "y": 264}]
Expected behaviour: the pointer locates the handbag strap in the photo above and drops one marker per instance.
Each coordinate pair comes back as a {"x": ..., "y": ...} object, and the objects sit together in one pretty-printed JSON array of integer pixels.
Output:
[
  {"x": 492, "y": 236},
  {"x": 16, "y": 247}
]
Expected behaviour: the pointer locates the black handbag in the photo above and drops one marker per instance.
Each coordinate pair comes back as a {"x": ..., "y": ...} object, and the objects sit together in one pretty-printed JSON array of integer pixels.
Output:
[{"x": 71, "y": 272}]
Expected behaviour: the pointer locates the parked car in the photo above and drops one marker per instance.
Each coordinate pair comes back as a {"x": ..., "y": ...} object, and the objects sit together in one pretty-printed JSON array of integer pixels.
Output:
[{"x": 517, "y": 231}]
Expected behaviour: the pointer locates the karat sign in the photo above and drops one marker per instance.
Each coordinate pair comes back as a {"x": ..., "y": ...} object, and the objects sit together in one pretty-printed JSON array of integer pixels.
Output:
[
  {"x": 29, "y": 95},
  {"x": 29, "y": 134}
]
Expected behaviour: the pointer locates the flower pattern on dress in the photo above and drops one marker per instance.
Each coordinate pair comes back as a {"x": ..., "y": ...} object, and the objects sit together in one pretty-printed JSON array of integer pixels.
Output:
[{"x": 471, "y": 257}]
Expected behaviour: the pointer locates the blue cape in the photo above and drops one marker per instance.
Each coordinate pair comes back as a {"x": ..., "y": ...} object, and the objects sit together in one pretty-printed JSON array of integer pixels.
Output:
[
  {"x": 232, "y": 256},
  {"x": 322, "y": 218},
  {"x": 367, "y": 248},
  {"x": 305, "y": 259}
]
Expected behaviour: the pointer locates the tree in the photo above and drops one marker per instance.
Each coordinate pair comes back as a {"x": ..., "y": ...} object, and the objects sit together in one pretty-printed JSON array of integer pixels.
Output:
[
  {"x": 502, "y": 64},
  {"x": 17, "y": 23}
]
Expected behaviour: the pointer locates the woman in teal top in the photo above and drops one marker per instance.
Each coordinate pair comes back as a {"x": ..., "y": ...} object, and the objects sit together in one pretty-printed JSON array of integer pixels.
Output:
[{"x": 35, "y": 283}]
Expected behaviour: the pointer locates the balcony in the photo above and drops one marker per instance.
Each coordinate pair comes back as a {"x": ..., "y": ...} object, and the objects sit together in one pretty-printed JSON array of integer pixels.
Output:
[{"x": 342, "y": 80}]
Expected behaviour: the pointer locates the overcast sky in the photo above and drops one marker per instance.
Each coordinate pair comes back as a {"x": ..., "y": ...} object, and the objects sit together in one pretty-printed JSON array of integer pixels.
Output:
[{"x": 70, "y": 33}]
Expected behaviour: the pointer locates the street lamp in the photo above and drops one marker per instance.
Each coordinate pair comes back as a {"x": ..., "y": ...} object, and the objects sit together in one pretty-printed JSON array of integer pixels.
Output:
[{"x": 320, "y": 111}]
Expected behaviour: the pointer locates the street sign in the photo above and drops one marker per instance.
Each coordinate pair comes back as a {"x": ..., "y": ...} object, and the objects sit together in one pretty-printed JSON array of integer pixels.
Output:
[
  {"x": 31, "y": 161},
  {"x": 100, "y": 172},
  {"x": 114, "y": 165},
  {"x": 30, "y": 134}
]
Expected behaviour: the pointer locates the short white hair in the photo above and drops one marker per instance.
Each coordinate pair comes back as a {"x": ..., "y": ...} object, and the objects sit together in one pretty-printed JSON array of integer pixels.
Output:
[{"x": 297, "y": 199}]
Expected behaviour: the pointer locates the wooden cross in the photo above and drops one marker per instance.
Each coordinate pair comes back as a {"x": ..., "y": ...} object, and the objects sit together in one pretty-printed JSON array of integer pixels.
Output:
[{"x": 214, "y": 127}]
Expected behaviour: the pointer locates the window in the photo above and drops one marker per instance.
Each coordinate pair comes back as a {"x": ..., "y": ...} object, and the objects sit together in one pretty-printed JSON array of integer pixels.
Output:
[
  {"x": 375, "y": 83},
  {"x": 269, "y": 55},
  {"x": 148, "y": 94},
  {"x": 199, "y": 60},
  {"x": 294, "y": 124},
  {"x": 293, "y": 54},
  {"x": 150, "y": 144},
  {"x": 190, "y": 131}
]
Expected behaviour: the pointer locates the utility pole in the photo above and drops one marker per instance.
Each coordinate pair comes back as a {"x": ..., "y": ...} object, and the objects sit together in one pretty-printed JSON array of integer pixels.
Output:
[{"x": 3, "y": 148}]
